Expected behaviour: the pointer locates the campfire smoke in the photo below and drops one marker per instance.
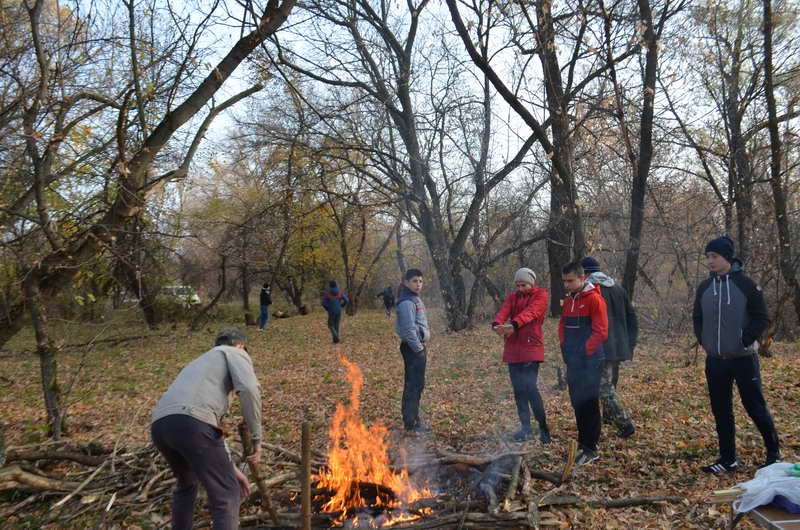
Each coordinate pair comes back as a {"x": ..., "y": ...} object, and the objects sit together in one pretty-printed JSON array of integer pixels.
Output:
[{"x": 359, "y": 472}]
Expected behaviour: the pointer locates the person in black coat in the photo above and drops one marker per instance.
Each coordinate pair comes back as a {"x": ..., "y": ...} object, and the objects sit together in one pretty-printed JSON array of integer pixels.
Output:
[
  {"x": 265, "y": 300},
  {"x": 623, "y": 331},
  {"x": 388, "y": 300}
]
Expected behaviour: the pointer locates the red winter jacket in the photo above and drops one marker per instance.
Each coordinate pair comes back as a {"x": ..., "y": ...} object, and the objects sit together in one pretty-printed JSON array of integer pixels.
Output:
[
  {"x": 526, "y": 310},
  {"x": 583, "y": 327}
]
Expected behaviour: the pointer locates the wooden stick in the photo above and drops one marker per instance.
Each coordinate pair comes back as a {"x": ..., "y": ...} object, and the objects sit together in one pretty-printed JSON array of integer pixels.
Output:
[
  {"x": 14, "y": 476},
  {"x": 573, "y": 450},
  {"x": 83, "y": 484},
  {"x": 305, "y": 480},
  {"x": 247, "y": 445}
]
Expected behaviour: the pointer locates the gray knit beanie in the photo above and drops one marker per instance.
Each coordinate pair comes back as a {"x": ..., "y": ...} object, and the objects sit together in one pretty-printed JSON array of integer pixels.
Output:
[{"x": 525, "y": 275}]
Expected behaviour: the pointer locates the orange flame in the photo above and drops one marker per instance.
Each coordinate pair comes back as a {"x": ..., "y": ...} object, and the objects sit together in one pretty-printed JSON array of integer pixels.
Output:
[{"x": 358, "y": 455}]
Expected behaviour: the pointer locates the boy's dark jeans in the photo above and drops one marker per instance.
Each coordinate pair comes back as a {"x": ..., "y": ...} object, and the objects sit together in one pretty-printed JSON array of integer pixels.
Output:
[
  {"x": 720, "y": 375},
  {"x": 526, "y": 393},
  {"x": 263, "y": 318},
  {"x": 583, "y": 379},
  {"x": 333, "y": 324},
  {"x": 196, "y": 453},
  {"x": 413, "y": 385}
]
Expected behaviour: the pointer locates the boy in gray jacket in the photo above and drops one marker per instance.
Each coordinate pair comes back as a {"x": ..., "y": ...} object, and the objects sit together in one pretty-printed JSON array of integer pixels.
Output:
[
  {"x": 729, "y": 317},
  {"x": 185, "y": 429},
  {"x": 412, "y": 328}
]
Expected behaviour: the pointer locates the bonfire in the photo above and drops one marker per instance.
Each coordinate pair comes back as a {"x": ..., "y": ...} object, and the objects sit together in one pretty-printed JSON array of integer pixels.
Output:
[{"x": 359, "y": 474}]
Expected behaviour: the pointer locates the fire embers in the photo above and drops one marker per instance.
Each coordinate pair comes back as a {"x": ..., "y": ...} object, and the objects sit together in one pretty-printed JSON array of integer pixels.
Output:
[{"x": 363, "y": 485}]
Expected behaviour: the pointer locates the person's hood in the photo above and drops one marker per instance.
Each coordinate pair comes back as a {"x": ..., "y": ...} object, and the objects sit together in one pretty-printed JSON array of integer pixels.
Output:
[
  {"x": 600, "y": 278},
  {"x": 405, "y": 293},
  {"x": 736, "y": 266},
  {"x": 333, "y": 292}
]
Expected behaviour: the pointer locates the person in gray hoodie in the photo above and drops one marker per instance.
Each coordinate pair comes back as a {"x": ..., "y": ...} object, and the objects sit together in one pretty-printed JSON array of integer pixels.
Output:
[
  {"x": 623, "y": 330},
  {"x": 185, "y": 428},
  {"x": 729, "y": 317},
  {"x": 412, "y": 328}
]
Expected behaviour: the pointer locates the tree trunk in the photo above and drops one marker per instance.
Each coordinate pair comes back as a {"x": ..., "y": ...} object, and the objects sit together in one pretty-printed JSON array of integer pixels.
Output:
[
  {"x": 248, "y": 315},
  {"x": 776, "y": 180},
  {"x": 639, "y": 190},
  {"x": 48, "y": 363}
]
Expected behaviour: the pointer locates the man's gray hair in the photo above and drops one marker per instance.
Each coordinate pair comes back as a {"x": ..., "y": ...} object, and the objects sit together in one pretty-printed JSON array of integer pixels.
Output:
[{"x": 230, "y": 337}]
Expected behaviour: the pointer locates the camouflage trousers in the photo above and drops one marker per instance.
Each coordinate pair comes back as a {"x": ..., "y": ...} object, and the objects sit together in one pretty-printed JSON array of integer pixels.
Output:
[{"x": 614, "y": 412}]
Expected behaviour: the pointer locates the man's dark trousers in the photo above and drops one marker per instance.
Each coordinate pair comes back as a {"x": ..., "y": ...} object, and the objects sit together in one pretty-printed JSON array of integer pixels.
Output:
[
  {"x": 196, "y": 453},
  {"x": 720, "y": 375},
  {"x": 333, "y": 324},
  {"x": 413, "y": 385},
  {"x": 583, "y": 379}
]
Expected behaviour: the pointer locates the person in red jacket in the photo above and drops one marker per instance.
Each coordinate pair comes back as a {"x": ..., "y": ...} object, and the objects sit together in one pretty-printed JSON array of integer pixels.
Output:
[
  {"x": 524, "y": 309},
  {"x": 582, "y": 330}
]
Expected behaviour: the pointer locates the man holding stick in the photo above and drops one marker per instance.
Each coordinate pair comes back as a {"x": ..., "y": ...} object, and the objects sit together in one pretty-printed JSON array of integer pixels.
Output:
[{"x": 185, "y": 429}]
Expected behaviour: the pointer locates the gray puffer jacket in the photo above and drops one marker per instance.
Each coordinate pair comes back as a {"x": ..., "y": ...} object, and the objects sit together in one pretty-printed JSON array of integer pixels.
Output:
[{"x": 729, "y": 313}]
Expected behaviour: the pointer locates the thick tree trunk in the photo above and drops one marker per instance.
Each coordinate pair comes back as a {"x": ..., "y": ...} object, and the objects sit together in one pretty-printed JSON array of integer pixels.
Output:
[
  {"x": 776, "y": 179},
  {"x": 48, "y": 363}
]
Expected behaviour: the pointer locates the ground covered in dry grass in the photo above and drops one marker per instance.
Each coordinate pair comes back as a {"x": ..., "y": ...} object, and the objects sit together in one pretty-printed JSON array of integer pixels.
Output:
[{"x": 467, "y": 402}]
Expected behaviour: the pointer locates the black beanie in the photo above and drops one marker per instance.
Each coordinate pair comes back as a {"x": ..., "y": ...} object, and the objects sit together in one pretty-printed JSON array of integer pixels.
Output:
[
  {"x": 590, "y": 265},
  {"x": 723, "y": 246}
]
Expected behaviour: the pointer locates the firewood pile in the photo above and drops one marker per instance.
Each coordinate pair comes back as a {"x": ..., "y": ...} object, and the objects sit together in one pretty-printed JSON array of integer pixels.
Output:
[{"x": 62, "y": 484}]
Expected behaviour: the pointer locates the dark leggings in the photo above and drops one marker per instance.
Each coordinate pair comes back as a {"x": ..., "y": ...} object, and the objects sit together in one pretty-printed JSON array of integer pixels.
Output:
[
  {"x": 526, "y": 393},
  {"x": 720, "y": 375}
]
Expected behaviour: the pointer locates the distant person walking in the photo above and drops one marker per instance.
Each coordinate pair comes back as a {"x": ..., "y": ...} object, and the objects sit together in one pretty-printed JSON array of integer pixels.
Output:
[
  {"x": 333, "y": 300},
  {"x": 388, "y": 300},
  {"x": 524, "y": 310},
  {"x": 623, "y": 331},
  {"x": 729, "y": 317},
  {"x": 186, "y": 430},
  {"x": 412, "y": 328},
  {"x": 265, "y": 300}
]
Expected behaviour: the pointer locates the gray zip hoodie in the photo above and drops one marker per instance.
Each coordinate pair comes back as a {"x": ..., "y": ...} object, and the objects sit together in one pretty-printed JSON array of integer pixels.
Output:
[
  {"x": 202, "y": 388},
  {"x": 412, "y": 322}
]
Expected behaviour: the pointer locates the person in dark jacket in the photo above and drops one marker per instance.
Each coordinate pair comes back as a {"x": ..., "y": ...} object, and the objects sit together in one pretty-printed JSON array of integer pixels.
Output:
[
  {"x": 265, "y": 300},
  {"x": 729, "y": 317},
  {"x": 623, "y": 330},
  {"x": 412, "y": 328},
  {"x": 333, "y": 300},
  {"x": 524, "y": 310},
  {"x": 388, "y": 300},
  {"x": 582, "y": 330}
]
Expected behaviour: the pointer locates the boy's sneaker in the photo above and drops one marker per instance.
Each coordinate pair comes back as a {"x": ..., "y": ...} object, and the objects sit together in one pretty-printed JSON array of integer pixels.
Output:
[
  {"x": 720, "y": 467},
  {"x": 771, "y": 459},
  {"x": 523, "y": 435},
  {"x": 585, "y": 457}
]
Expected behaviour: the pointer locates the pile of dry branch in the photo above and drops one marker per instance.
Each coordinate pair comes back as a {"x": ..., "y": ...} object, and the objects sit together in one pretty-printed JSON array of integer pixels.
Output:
[{"x": 62, "y": 485}]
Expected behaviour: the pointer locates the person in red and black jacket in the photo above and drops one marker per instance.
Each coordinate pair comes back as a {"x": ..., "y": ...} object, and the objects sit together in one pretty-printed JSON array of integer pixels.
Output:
[
  {"x": 582, "y": 330},
  {"x": 524, "y": 349}
]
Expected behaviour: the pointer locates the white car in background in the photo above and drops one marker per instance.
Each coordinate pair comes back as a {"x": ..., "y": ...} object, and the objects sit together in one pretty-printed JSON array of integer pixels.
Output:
[{"x": 183, "y": 293}]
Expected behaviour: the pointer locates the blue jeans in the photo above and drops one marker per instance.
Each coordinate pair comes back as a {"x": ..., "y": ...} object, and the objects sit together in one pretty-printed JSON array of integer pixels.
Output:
[
  {"x": 526, "y": 393},
  {"x": 263, "y": 317}
]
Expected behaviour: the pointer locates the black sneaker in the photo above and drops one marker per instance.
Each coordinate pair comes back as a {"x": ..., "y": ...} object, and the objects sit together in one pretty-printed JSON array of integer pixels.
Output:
[
  {"x": 626, "y": 431},
  {"x": 720, "y": 467},
  {"x": 585, "y": 457},
  {"x": 544, "y": 436},
  {"x": 522, "y": 435},
  {"x": 771, "y": 459}
]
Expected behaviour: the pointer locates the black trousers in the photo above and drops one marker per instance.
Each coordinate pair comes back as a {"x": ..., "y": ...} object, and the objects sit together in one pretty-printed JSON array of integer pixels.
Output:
[
  {"x": 333, "y": 324},
  {"x": 195, "y": 451},
  {"x": 524, "y": 378},
  {"x": 413, "y": 384},
  {"x": 746, "y": 372},
  {"x": 583, "y": 378}
]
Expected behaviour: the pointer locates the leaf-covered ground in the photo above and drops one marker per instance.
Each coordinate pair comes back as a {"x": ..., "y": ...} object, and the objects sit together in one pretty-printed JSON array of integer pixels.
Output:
[{"x": 467, "y": 402}]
